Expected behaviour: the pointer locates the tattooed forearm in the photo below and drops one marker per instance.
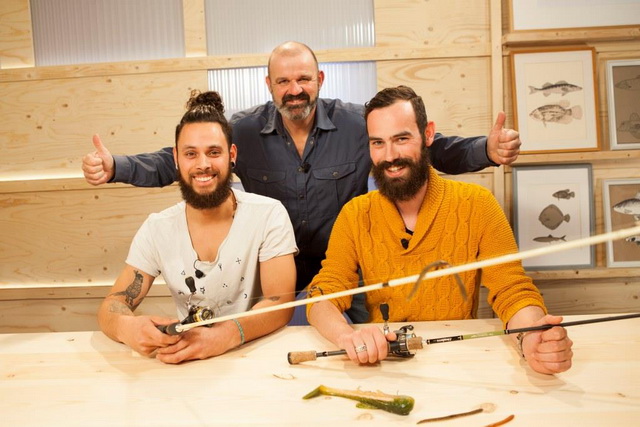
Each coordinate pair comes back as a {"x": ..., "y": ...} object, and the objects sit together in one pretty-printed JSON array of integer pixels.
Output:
[
  {"x": 132, "y": 292},
  {"x": 119, "y": 307}
]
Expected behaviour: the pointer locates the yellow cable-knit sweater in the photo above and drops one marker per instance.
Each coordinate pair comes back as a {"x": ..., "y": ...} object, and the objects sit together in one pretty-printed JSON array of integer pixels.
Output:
[{"x": 458, "y": 223}]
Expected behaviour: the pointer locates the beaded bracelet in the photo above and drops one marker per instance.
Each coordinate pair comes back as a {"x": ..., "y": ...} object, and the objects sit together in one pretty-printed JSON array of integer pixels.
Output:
[{"x": 240, "y": 330}]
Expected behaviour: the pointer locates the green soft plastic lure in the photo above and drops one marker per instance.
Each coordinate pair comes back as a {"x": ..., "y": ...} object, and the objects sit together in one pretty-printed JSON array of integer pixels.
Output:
[{"x": 397, "y": 404}]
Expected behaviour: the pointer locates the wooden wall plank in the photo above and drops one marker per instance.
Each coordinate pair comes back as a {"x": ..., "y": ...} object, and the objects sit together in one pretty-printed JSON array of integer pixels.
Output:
[
  {"x": 25, "y": 316},
  {"x": 78, "y": 236},
  {"x": 439, "y": 22},
  {"x": 456, "y": 91},
  {"x": 195, "y": 33},
  {"x": 47, "y": 125},
  {"x": 16, "y": 40}
]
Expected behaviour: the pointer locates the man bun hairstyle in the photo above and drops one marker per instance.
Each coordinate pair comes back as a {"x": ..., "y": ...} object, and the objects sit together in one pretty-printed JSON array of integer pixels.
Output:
[
  {"x": 389, "y": 96},
  {"x": 205, "y": 107}
]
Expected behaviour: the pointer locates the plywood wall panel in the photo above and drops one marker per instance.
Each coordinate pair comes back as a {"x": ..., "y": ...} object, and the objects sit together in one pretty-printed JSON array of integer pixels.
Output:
[
  {"x": 422, "y": 23},
  {"x": 456, "y": 92},
  {"x": 16, "y": 40},
  {"x": 78, "y": 236},
  {"x": 27, "y": 316},
  {"x": 47, "y": 124}
]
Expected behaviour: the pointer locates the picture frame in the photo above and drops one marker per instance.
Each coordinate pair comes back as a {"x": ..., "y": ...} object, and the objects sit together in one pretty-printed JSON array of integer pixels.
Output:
[
  {"x": 552, "y": 204},
  {"x": 555, "y": 99},
  {"x": 527, "y": 15},
  {"x": 623, "y": 102},
  {"x": 621, "y": 202}
]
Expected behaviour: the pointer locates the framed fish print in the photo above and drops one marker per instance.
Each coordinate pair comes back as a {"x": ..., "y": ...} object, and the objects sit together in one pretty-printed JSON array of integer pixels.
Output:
[
  {"x": 623, "y": 101},
  {"x": 621, "y": 201},
  {"x": 555, "y": 100},
  {"x": 554, "y": 204}
]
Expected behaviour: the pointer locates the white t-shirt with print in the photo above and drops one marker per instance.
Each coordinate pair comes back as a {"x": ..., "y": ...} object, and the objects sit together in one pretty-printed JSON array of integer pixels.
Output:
[{"x": 261, "y": 230}]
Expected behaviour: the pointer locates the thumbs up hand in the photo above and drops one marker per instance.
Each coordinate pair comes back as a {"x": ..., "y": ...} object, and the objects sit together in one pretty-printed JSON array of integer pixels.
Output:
[
  {"x": 503, "y": 145},
  {"x": 98, "y": 166}
]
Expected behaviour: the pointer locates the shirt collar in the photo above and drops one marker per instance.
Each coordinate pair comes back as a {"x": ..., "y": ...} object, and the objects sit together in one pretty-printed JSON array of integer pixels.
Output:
[{"x": 274, "y": 122}]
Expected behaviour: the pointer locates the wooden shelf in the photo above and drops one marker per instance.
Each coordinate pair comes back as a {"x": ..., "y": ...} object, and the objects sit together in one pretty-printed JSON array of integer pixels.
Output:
[
  {"x": 570, "y": 36},
  {"x": 587, "y": 273},
  {"x": 577, "y": 157}
]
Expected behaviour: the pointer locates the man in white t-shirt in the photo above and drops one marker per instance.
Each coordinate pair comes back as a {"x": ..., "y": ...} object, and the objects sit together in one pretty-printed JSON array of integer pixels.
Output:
[{"x": 220, "y": 249}]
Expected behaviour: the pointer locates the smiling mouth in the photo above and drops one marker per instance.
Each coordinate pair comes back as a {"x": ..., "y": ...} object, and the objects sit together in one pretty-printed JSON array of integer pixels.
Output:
[{"x": 203, "y": 178}]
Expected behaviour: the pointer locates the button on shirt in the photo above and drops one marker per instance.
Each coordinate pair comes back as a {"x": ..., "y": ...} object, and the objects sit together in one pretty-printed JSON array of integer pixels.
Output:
[{"x": 333, "y": 169}]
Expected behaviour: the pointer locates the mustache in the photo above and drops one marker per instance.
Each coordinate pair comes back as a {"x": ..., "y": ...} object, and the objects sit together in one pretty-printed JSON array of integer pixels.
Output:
[
  {"x": 400, "y": 162},
  {"x": 301, "y": 96}
]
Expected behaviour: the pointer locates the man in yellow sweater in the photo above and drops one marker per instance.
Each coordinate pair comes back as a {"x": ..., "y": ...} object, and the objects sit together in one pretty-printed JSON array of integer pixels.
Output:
[{"x": 414, "y": 219}]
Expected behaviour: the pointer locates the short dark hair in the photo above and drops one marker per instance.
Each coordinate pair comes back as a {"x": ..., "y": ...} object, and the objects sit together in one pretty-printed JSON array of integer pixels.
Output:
[
  {"x": 389, "y": 96},
  {"x": 205, "y": 107}
]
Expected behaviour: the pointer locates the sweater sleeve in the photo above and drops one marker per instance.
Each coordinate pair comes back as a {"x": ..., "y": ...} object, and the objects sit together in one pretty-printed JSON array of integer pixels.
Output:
[
  {"x": 340, "y": 267},
  {"x": 510, "y": 289}
]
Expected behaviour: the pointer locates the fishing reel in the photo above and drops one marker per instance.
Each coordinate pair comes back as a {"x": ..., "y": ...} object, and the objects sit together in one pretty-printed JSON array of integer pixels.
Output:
[
  {"x": 401, "y": 347},
  {"x": 196, "y": 313}
]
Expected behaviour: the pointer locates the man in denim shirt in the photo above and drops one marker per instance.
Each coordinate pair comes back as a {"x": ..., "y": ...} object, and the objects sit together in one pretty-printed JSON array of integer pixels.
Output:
[{"x": 312, "y": 154}]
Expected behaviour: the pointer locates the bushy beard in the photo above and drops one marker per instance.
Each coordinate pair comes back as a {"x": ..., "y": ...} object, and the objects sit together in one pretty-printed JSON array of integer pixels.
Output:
[
  {"x": 297, "y": 112},
  {"x": 208, "y": 200},
  {"x": 402, "y": 189}
]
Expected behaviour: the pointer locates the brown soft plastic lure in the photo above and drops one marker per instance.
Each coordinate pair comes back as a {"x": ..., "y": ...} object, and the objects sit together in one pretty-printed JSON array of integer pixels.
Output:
[{"x": 396, "y": 404}]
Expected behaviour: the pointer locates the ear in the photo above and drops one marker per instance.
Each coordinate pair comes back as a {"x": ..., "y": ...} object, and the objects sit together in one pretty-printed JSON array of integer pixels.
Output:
[
  {"x": 430, "y": 133},
  {"x": 320, "y": 79},
  {"x": 175, "y": 156},
  {"x": 233, "y": 153},
  {"x": 267, "y": 80}
]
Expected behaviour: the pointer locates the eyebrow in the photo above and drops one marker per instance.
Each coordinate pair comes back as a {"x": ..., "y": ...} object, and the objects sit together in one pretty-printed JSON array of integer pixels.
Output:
[{"x": 397, "y": 135}]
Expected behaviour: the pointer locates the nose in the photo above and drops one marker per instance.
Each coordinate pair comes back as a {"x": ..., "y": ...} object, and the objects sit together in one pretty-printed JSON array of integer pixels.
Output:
[
  {"x": 390, "y": 152},
  {"x": 295, "y": 88},
  {"x": 202, "y": 162}
]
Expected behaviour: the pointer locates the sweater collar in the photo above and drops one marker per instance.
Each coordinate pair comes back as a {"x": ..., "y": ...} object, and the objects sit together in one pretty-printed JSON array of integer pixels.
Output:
[{"x": 428, "y": 210}]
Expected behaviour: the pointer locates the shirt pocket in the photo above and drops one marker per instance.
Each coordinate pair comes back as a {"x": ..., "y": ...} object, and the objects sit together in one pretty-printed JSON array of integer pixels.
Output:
[
  {"x": 267, "y": 183},
  {"x": 336, "y": 185}
]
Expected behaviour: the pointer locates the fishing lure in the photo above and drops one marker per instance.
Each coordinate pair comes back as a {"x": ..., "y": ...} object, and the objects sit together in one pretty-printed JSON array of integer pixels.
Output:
[{"x": 396, "y": 404}]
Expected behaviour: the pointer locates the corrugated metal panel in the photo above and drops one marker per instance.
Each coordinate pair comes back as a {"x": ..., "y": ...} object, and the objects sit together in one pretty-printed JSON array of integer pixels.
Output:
[
  {"x": 84, "y": 31},
  {"x": 257, "y": 26},
  {"x": 242, "y": 88}
]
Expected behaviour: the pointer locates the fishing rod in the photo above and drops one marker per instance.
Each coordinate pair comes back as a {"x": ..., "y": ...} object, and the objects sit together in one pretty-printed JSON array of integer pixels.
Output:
[
  {"x": 407, "y": 344},
  {"x": 177, "y": 328}
]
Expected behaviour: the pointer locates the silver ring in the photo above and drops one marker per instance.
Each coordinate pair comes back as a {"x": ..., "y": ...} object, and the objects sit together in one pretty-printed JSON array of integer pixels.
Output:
[{"x": 361, "y": 348}]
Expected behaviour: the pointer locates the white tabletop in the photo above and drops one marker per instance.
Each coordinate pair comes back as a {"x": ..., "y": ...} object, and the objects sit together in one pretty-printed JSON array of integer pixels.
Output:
[{"x": 84, "y": 378}]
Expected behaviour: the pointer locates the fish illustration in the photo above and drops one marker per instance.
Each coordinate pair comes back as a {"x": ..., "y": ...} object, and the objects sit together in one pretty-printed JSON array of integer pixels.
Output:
[
  {"x": 549, "y": 239},
  {"x": 564, "y": 194},
  {"x": 551, "y": 217},
  {"x": 633, "y": 239},
  {"x": 632, "y": 125},
  {"x": 629, "y": 84},
  {"x": 629, "y": 207},
  {"x": 560, "y": 87},
  {"x": 557, "y": 113}
]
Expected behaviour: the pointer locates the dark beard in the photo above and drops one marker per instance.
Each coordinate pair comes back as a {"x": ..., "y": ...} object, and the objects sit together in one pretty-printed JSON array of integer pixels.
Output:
[
  {"x": 299, "y": 112},
  {"x": 205, "y": 201},
  {"x": 401, "y": 189}
]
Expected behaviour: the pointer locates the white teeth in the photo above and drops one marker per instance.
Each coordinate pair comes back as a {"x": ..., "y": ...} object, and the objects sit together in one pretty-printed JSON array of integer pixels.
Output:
[{"x": 203, "y": 178}]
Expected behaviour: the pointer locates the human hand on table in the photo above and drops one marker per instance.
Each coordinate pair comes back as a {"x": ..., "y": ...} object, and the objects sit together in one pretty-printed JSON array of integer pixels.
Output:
[
  {"x": 366, "y": 345},
  {"x": 141, "y": 334},
  {"x": 548, "y": 351},
  {"x": 201, "y": 343}
]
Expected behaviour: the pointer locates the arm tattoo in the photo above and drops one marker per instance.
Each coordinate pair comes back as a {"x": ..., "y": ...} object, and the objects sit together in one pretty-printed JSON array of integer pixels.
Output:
[{"x": 132, "y": 292}]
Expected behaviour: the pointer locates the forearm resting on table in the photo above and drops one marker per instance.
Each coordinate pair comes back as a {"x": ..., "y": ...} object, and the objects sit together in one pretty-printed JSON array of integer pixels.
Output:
[
  {"x": 110, "y": 316},
  {"x": 257, "y": 326},
  {"x": 328, "y": 320}
]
